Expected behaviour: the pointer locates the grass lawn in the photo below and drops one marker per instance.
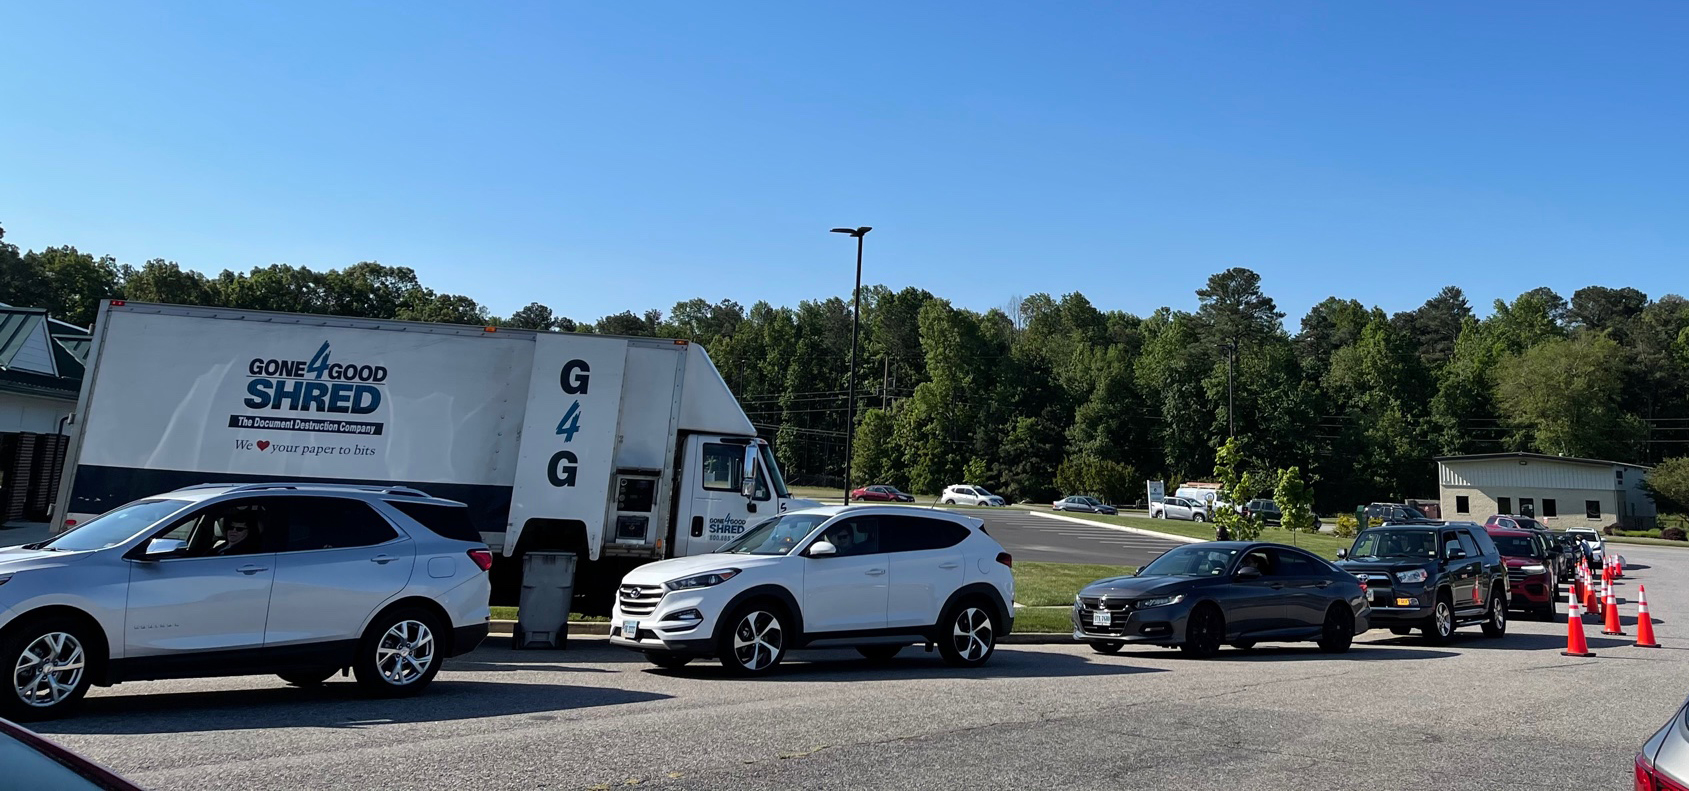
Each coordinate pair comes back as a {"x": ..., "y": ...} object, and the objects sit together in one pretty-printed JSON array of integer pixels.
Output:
[
  {"x": 1041, "y": 584},
  {"x": 1033, "y": 620},
  {"x": 1323, "y": 544}
]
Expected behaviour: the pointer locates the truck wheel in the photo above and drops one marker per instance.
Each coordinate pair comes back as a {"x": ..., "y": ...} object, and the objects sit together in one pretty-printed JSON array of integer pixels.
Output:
[
  {"x": 48, "y": 664},
  {"x": 399, "y": 654},
  {"x": 757, "y": 640},
  {"x": 1440, "y": 626},
  {"x": 1496, "y": 624}
]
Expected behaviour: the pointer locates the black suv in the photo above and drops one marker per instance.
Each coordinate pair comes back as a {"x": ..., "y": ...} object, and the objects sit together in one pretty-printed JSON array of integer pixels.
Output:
[{"x": 1431, "y": 577}]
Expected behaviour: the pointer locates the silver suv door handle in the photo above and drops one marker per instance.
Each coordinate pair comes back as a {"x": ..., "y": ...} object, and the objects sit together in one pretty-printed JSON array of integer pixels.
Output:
[
  {"x": 949, "y": 565},
  {"x": 251, "y": 570},
  {"x": 876, "y": 572},
  {"x": 383, "y": 559}
]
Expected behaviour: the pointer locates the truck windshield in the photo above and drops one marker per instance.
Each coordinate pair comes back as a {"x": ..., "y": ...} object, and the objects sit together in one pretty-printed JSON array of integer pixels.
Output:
[
  {"x": 776, "y": 536},
  {"x": 114, "y": 527},
  {"x": 1395, "y": 544},
  {"x": 773, "y": 469}
]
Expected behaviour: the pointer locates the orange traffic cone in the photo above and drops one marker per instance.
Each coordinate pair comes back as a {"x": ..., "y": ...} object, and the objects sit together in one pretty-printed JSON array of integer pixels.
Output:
[
  {"x": 1611, "y": 608},
  {"x": 1618, "y": 567},
  {"x": 1575, "y": 644},
  {"x": 1591, "y": 602},
  {"x": 1644, "y": 621}
]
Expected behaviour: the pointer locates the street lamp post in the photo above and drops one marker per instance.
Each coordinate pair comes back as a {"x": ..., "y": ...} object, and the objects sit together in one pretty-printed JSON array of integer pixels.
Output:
[{"x": 855, "y": 322}]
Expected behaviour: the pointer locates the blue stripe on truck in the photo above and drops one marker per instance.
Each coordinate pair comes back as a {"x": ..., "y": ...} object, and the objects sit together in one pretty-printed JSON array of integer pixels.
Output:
[{"x": 98, "y": 489}]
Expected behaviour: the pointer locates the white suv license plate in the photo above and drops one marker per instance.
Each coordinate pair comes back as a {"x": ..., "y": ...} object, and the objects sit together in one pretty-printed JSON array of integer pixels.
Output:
[
  {"x": 630, "y": 629},
  {"x": 1102, "y": 618}
]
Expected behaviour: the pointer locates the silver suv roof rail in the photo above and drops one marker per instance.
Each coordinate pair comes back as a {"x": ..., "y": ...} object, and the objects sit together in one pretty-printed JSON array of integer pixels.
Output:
[{"x": 405, "y": 491}]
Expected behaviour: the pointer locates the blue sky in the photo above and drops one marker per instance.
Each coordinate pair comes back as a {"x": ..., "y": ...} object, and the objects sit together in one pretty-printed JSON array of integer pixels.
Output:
[{"x": 605, "y": 156}]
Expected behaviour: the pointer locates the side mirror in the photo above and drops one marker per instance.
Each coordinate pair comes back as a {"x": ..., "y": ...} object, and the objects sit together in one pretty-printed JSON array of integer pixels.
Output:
[
  {"x": 748, "y": 478},
  {"x": 1456, "y": 553},
  {"x": 1248, "y": 573},
  {"x": 163, "y": 547},
  {"x": 1343, "y": 553},
  {"x": 821, "y": 549}
]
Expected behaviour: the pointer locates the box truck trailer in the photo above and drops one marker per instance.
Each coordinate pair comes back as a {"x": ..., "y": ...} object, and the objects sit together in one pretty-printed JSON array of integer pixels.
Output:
[{"x": 620, "y": 450}]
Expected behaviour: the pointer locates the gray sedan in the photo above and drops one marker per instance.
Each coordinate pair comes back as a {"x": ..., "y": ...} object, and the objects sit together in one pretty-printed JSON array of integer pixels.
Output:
[
  {"x": 1083, "y": 504},
  {"x": 1198, "y": 597}
]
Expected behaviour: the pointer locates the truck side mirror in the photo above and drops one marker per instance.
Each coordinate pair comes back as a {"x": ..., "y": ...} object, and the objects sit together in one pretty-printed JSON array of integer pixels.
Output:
[{"x": 748, "y": 478}]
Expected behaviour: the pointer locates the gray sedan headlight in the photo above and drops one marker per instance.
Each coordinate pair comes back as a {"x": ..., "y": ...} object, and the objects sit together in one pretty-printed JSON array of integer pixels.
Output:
[
  {"x": 707, "y": 579},
  {"x": 1161, "y": 601}
]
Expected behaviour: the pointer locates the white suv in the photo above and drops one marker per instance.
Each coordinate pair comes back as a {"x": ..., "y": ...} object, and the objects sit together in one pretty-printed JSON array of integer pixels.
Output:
[
  {"x": 875, "y": 578},
  {"x": 301, "y": 580},
  {"x": 968, "y": 494}
]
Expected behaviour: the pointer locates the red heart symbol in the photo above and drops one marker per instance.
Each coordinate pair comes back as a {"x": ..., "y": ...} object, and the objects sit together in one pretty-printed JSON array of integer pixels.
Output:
[{"x": 263, "y": 444}]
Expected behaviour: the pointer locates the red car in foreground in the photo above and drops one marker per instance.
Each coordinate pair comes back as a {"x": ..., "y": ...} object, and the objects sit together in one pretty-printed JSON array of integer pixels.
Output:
[
  {"x": 1531, "y": 582},
  {"x": 880, "y": 493}
]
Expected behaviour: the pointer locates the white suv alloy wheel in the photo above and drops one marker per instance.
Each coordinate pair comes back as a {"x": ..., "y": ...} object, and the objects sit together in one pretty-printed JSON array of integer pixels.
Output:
[{"x": 758, "y": 640}]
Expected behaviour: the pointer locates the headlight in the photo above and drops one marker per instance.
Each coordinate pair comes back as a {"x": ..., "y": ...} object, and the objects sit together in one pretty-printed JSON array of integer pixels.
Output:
[
  {"x": 1161, "y": 601},
  {"x": 1533, "y": 569},
  {"x": 704, "y": 580},
  {"x": 1405, "y": 577}
]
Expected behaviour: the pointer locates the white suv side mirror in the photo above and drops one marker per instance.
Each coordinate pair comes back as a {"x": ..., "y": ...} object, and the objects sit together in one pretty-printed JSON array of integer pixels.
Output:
[
  {"x": 163, "y": 547},
  {"x": 821, "y": 549}
]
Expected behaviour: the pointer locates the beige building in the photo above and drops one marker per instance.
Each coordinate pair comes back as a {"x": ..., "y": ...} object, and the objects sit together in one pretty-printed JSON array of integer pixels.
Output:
[{"x": 1560, "y": 491}]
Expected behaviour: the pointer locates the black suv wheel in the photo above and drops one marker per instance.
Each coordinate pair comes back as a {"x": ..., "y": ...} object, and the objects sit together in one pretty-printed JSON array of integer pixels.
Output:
[
  {"x": 1440, "y": 626},
  {"x": 1495, "y": 624}
]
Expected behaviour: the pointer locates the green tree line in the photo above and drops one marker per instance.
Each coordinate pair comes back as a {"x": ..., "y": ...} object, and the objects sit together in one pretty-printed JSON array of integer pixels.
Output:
[{"x": 1047, "y": 393}]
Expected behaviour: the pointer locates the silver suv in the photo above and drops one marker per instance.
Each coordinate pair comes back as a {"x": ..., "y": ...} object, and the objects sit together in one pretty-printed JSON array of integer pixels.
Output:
[{"x": 297, "y": 579}]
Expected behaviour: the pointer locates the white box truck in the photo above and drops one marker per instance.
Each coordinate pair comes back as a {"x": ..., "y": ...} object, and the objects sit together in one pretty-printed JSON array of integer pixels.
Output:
[{"x": 621, "y": 450}]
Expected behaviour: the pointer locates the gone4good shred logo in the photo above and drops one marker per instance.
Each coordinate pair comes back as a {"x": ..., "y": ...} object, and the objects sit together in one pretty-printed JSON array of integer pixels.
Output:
[{"x": 307, "y": 396}]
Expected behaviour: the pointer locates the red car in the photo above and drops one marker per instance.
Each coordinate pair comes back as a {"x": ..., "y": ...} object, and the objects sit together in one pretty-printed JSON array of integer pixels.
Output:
[
  {"x": 880, "y": 493},
  {"x": 1532, "y": 584}
]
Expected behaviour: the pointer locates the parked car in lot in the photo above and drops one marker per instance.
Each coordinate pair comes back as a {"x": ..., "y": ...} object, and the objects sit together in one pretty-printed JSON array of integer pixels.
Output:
[
  {"x": 968, "y": 494},
  {"x": 1179, "y": 508},
  {"x": 1083, "y": 504},
  {"x": 32, "y": 761},
  {"x": 1265, "y": 510},
  {"x": 881, "y": 493},
  {"x": 1663, "y": 762},
  {"x": 297, "y": 579},
  {"x": 873, "y": 578},
  {"x": 1431, "y": 577},
  {"x": 1561, "y": 558},
  {"x": 1530, "y": 573},
  {"x": 1398, "y": 514},
  {"x": 1199, "y": 597}
]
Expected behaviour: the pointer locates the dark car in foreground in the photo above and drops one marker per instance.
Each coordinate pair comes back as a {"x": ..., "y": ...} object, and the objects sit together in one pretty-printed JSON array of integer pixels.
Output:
[
  {"x": 31, "y": 761},
  {"x": 1530, "y": 574},
  {"x": 1082, "y": 504},
  {"x": 1663, "y": 763},
  {"x": 1199, "y": 597},
  {"x": 881, "y": 493},
  {"x": 1431, "y": 577}
]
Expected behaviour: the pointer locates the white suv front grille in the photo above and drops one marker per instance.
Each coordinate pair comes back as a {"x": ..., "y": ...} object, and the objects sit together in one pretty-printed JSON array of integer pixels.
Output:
[{"x": 639, "y": 599}]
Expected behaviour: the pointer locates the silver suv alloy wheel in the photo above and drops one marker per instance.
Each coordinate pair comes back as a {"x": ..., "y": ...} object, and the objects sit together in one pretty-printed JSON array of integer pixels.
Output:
[
  {"x": 49, "y": 669},
  {"x": 405, "y": 652}
]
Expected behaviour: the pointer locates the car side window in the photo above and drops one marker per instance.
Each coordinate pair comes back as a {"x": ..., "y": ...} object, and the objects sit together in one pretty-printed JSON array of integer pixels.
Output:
[
  {"x": 334, "y": 523},
  {"x": 918, "y": 533},
  {"x": 1467, "y": 544},
  {"x": 1260, "y": 559},
  {"x": 1290, "y": 563},
  {"x": 722, "y": 467},
  {"x": 859, "y": 535},
  {"x": 246, "y": 526}
]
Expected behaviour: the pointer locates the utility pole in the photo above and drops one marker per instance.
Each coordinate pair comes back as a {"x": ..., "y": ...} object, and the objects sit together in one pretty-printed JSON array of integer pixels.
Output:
[{"x": 855, "y": 324}]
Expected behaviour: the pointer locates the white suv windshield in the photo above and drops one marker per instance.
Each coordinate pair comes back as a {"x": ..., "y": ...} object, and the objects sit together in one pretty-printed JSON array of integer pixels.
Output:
[
  {"x": 115, "y": 526},
  {"x": 777, "y": 536}
]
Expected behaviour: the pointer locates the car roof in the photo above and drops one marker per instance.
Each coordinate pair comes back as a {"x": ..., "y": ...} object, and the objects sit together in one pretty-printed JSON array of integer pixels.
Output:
[
  {"x": 831, "y": 511},
  {"x": 207, "y": 491},
  {"x": 1509, "y": 531}
]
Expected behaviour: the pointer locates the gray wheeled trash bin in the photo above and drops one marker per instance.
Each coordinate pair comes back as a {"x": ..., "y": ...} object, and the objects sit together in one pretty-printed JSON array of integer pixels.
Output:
[{"x": 548, "y": 588}]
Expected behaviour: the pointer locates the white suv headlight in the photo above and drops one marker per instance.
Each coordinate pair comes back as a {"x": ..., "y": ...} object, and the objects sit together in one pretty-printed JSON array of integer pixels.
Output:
[{"x": 707, "y": 579}]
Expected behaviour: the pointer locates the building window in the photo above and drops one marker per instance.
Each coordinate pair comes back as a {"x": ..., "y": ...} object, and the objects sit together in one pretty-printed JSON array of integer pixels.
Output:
[
  {"x": 1504, "y": 505},
  {"x": 1527, "y": 507},
  {"x": 1592, "y": 509},
  {"x": 1462, "y": 504},
  {"x": 1549, "y": 508}
]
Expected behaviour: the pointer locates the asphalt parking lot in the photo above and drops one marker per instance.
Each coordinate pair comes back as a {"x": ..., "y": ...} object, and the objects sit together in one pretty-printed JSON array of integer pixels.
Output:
[
  {"x": 1039, "y": 536},
  {"x": 1392, "y": 713}
]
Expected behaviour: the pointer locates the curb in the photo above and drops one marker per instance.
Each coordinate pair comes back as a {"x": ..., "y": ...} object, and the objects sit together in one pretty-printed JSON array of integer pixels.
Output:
[
  {"x": 1123, "y": 528},
  {"x": 576, "y": 628}
]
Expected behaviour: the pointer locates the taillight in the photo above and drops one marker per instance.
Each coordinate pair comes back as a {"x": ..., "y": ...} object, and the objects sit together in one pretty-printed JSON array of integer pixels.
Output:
[
  {"x": 482, "y": 558},
  {"x": 1006, "y": 559},
  {"x": 1649, "y": 778},
  {"x": 70, "y": 523}
]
